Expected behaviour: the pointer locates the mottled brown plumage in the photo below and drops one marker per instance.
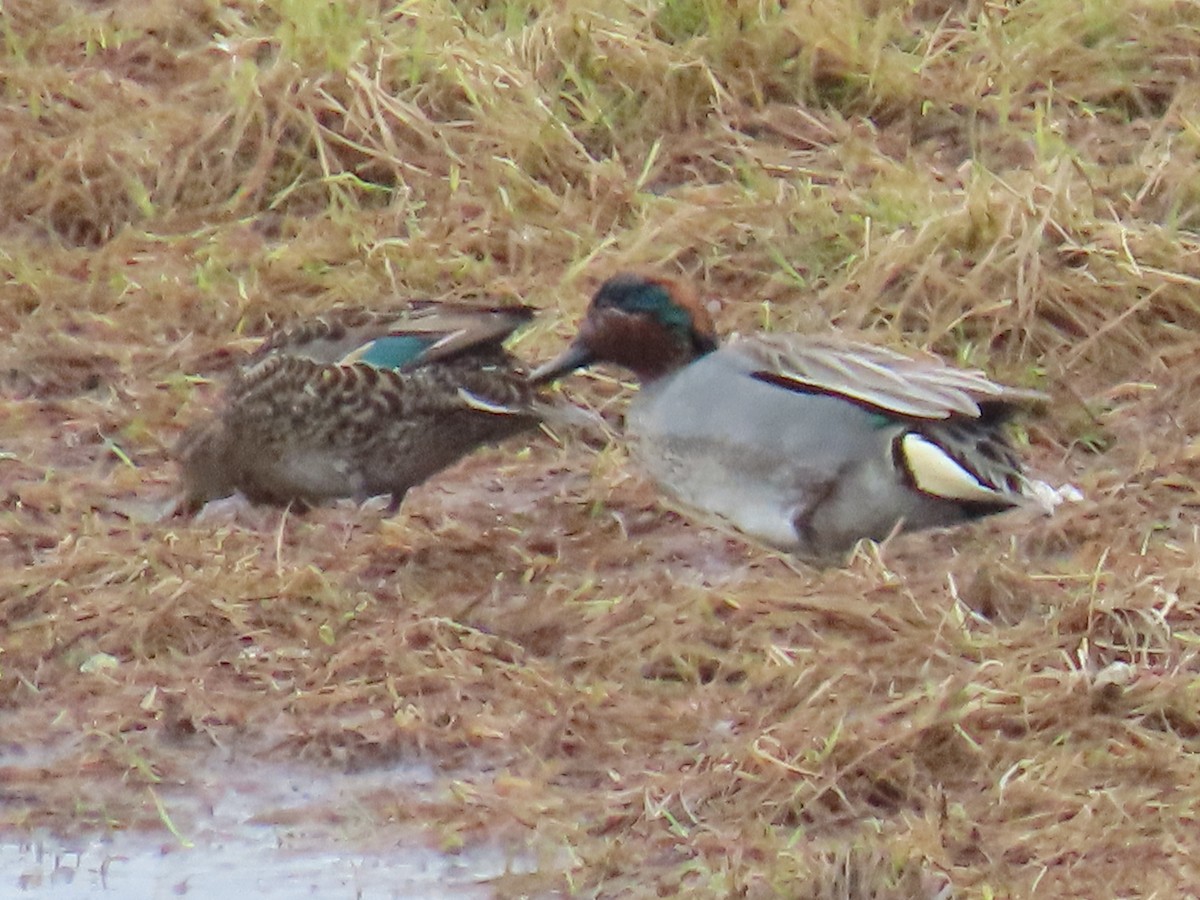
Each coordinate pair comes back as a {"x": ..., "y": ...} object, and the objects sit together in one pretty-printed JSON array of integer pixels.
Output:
[{"x": 360, "y": 403}]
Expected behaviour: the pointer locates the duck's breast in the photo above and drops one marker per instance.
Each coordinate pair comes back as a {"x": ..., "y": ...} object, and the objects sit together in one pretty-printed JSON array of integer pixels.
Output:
[{"x": 750, "y": 452}]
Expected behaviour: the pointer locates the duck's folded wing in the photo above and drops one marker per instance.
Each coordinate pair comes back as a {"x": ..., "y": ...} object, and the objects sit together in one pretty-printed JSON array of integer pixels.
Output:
[
  {"x": 447, "y": 330},
  {"x": 421, "y": 333},
  {"x": 918, "y": 387}
]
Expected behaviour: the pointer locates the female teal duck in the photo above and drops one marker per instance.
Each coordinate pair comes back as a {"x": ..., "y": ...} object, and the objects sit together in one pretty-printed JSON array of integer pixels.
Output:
[
  {"x": 358, "y": 403},
  {"x": 807, "y": 444}
]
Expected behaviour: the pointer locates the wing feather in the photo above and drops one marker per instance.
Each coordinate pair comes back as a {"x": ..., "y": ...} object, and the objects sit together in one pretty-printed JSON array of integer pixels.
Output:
[
  {"x": 913, "y": 386},
  {"x": 443, "y": 329}
]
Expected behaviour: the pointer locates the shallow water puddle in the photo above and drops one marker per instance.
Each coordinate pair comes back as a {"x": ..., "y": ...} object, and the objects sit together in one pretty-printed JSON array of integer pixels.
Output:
[
  {"x": 263, "y": 832},
  {"x": 130, "y": 866}
]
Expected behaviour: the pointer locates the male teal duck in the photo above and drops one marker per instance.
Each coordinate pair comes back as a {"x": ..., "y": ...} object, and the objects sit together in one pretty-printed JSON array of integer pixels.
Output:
[
  {"x": 359, "y": 403},
  {"x": 807, "y": 444}
]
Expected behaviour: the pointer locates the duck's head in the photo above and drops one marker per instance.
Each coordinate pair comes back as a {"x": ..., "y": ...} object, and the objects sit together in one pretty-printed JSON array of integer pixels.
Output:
[
  {"x": 207, "y": 461},
  {"x": 649, "y": 325}
]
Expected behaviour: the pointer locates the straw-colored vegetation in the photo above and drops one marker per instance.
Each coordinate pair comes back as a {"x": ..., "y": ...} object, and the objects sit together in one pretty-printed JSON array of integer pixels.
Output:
[{"x": 645, "y": 705}]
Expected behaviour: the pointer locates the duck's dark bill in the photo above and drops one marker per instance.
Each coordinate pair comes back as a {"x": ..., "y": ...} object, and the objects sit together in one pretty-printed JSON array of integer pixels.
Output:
[{"x": 574, "y": 357}]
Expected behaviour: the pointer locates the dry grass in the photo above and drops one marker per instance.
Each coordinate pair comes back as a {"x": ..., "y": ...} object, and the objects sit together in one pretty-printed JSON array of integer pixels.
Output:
[{"x": 651, "y": 706}]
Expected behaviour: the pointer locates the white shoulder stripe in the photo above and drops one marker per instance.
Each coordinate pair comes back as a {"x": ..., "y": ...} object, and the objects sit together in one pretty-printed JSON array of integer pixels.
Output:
[
  {"x": 476, "y": 402},
  {"x": 356, "y": 354},
  {"x": 937, "y": 473}
]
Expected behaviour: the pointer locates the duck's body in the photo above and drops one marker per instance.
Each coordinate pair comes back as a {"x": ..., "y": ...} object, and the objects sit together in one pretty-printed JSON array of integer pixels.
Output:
[
  {"x": 804, "y": 469},
  {"x": 806, "y": 444},
  {"x": 358, "y": 404}
]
